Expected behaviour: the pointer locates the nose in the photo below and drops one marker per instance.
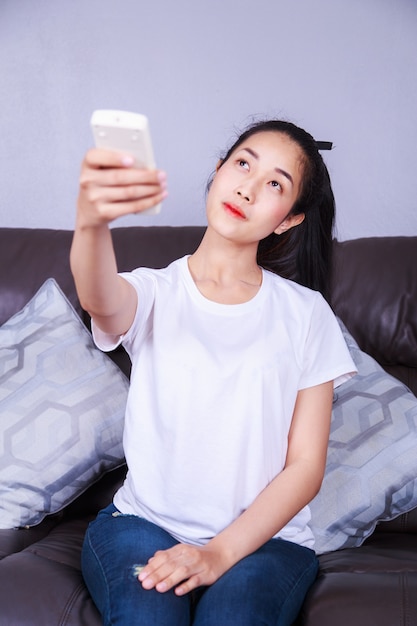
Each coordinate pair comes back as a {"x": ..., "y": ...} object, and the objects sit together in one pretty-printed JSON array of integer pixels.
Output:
[
  {"x": 247, "y": 189},
  {"x": 243, "y": 195}
]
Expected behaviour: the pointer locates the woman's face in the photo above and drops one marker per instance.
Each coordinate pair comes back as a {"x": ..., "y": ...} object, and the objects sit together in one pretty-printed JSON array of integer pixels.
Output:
[{"x": 253, "y": 192}]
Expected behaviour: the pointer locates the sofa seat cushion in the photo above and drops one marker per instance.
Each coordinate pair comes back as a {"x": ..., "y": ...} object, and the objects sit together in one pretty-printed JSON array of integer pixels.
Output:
[
  {"x": 372, "y": 585},
  {"x": 63, "y": 544},
  {"x": 16, "y": 539},
  {"x": 383, "y": 552},
  {"x": 43, "y": 584}
]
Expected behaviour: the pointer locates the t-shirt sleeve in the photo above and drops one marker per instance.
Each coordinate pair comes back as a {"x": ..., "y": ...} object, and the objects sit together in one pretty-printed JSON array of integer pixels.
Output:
[
  {"x": 143, "y": 282},
  {"x": 326, "y": 355}
]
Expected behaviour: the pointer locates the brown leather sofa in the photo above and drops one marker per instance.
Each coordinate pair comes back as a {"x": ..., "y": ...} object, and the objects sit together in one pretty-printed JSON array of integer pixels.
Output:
[{"x": 374, "y": 293}]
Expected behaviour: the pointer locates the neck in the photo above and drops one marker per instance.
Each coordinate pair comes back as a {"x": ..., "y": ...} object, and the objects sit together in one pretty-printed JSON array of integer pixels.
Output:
[
  {"x": 222, "y": 257},
  {"x": 225, "y": 271}
]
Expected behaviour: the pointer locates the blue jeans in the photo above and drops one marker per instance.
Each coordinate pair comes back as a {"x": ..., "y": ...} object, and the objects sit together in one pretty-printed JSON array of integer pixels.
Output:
[{"x": 265, "y": 588}]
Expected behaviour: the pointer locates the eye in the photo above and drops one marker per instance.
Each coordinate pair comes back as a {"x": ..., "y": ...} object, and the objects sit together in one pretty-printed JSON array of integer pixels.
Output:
[
  {"x": 243, "y": 163},
  {"x": 276, "y": 184}
]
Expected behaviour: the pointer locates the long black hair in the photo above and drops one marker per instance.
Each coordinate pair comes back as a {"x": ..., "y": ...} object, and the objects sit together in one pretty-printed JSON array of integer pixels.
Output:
[{"x": 302, "y": 253}]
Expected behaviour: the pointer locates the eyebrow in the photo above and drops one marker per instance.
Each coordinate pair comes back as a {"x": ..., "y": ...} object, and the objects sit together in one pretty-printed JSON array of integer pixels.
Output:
[{"x": 277, "y": 169}]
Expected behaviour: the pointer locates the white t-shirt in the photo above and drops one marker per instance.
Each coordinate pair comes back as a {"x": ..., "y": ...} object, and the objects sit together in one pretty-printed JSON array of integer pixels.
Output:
[{"x": 212, "y": 394}]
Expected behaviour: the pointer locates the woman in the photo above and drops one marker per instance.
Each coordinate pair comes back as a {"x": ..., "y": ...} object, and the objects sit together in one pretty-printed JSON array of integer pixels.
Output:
[{"x": 233, "y": 370}]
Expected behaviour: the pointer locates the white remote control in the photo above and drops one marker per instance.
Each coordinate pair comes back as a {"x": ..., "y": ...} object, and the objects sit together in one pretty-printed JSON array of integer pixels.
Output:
[{"x": 128, "y": 133}]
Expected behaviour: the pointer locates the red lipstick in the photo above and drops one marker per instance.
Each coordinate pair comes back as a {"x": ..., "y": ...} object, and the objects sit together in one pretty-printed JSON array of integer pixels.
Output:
[{"x": 234, "y": 211}]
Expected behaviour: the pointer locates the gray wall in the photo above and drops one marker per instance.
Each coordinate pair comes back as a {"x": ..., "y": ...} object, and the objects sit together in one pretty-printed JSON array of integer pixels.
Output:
[{"x": 344, "y": 69}]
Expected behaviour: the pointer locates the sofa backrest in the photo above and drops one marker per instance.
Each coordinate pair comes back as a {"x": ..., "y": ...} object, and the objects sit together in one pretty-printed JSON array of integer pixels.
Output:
[
  {"x": 374, "y": 282},
  {"x": 375, "y": 293}
]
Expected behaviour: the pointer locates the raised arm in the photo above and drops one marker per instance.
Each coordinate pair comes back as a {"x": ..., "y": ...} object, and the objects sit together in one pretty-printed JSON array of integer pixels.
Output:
[{"x": 110, "y": 187}]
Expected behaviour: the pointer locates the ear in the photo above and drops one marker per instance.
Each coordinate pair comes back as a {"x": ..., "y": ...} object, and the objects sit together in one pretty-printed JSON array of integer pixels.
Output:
[
  {"x": 219, "y": 164},
  {"x": 289, "y": 222}
]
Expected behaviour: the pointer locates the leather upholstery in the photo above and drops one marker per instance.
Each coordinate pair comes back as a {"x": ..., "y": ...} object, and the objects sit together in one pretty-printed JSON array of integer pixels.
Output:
[{"x": 375, "y": 294}]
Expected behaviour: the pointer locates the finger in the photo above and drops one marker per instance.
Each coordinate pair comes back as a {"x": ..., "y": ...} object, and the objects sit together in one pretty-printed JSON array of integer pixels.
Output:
[
  {"x": 100, "y": 157},
  {"x": 111, "y": 211},
  {"x": 141, "y": 205},
  {"x": 164, "y": 570},
  {"x": 188, "y": 585},
  {"x": 119, "y": 177},
  {"x": 126, "y": 193},
  {"x": 161, "y": 565},
  {"x": 166, "y": 577}
]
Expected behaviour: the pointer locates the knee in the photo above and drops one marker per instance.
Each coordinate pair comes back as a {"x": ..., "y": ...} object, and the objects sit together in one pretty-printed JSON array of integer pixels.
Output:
[{"x": 267, "y": 587}]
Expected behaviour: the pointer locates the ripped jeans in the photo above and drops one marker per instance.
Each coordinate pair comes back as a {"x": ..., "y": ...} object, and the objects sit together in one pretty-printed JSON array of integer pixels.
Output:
[{"x": 266, "y": 587}]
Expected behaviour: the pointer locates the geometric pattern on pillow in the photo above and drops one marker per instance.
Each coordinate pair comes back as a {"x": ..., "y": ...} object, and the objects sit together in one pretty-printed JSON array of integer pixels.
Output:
[
  {"x": 62, "y": 406},
  {"x": 371, "y": 470}
]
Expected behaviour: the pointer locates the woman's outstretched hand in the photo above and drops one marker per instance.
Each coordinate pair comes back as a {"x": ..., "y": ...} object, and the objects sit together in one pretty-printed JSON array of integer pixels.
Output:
[
  {"x": 111, "y": 186},
  {"x": 183, "y": 567}
]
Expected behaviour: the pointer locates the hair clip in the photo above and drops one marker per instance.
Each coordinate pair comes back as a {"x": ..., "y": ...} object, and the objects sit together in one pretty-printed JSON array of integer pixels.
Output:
[{"x": 324, "y": 145}]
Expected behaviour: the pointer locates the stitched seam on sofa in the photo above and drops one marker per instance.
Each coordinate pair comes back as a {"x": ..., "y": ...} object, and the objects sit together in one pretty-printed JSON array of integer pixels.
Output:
[
  {"x": 405, "y": 601},
  {"x": 66, "y": 614},
  {"x": 32, "y": 550}
]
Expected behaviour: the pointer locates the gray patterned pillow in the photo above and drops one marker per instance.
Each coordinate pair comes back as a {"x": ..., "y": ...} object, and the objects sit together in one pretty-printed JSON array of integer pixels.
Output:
[
  {"x": 371, "y": 472},
  {"x": 62, "y": 404}
]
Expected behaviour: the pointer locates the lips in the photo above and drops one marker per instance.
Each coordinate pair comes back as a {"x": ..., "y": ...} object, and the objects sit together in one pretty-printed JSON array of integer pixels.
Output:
[{"x": 233, "y": 210}]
